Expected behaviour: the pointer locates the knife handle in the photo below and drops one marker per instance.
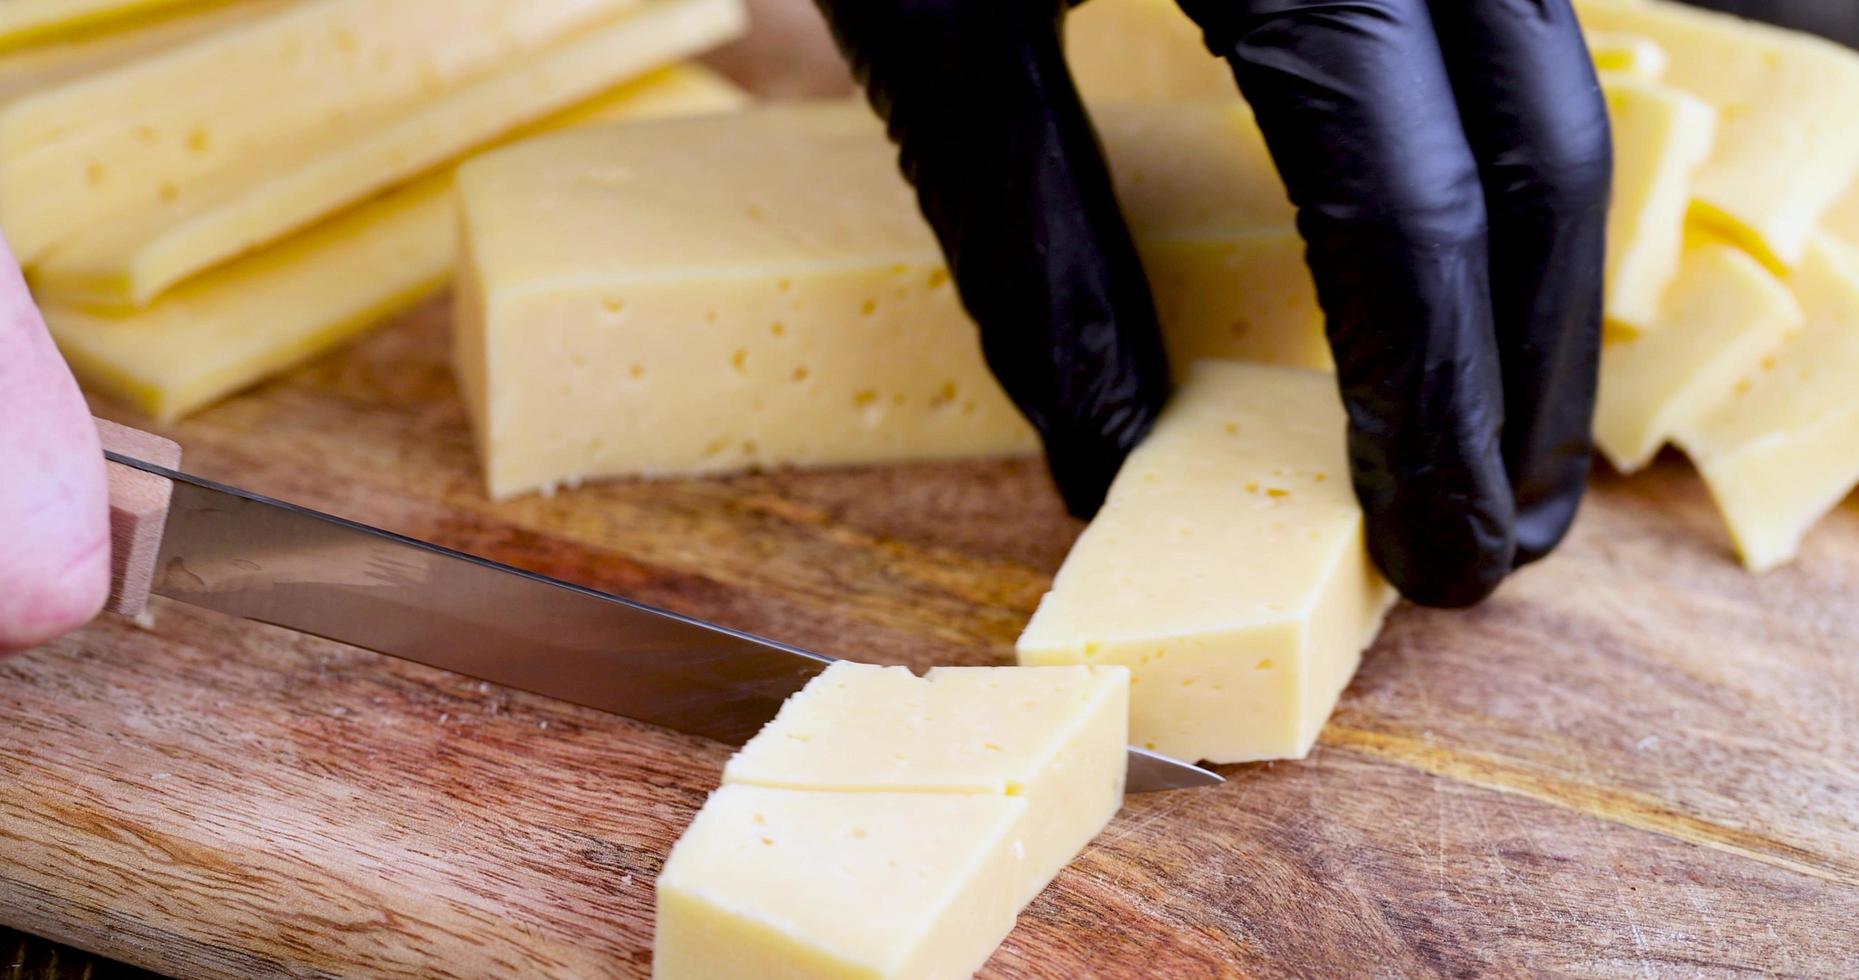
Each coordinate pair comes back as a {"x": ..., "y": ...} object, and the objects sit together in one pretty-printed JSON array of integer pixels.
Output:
[{"x": 138, "y": 512}]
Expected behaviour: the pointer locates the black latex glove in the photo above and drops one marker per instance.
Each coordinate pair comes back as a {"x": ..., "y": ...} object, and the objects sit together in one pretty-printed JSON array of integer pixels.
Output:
[{"x": 1450, "y": 161}]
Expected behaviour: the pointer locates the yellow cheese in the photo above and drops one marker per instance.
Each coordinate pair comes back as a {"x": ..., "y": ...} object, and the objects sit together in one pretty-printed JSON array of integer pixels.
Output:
[
  {"x": 1788, "y": 139},
  {"x": 1227, "y": 570},
  {"x": 1054, "y": 737},
  {"x": 24, "y": 21},
  {"x": 1722, "y": 316},
  {"x": 1783, "y": 449},
  {"x": 262, "y": 314},
  {"x": 1631, "y": 55},
  {"x": 127, "y": 263},
  {"x": 60, "y": 59},
  {"x": 1142, "y": 51},
  {"x": 706, "y": 295},
  {"x": 107, "y": 145},
  {"x": 771, "y": 884},
  {"x": 1843, "y": 220},
  {"x": 1661, "y": 137}
]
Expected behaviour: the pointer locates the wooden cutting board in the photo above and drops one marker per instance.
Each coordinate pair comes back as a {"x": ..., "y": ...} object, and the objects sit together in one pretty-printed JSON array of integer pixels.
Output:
[{"x": 1635, "y": 760}]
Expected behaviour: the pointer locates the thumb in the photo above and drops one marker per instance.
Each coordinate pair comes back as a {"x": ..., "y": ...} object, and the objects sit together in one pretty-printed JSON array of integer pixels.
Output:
[{"x": 54, "y": 502}]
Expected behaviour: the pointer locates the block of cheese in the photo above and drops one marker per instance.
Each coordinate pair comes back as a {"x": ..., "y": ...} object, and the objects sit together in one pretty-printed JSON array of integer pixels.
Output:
[
  {"x": 127, "y": 263},
  {"x": 1723, "y": 314},
  {"x": 268, "y": 311},
  {"x": 132, "y": 137},
  {"x": 55, "y": 60},
  {"x": 1142, "y": 51},
  {"x": 707, "y": 295},
  {"x": 1783, "y": 449},
  {"x": 1227, "y": 570},
  {"x": 1787, "y": 142},
  {"x": 771, "y": 883},
  {"x": 1661, "y": 137},
  {"x": 1632, "y": 55},
  {"x": 1054, "y": 737},
  {"x": 24, "y": 21}
]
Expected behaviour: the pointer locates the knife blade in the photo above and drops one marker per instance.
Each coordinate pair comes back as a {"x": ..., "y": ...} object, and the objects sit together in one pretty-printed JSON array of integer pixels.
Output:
[{"x": 273, "y": 562}]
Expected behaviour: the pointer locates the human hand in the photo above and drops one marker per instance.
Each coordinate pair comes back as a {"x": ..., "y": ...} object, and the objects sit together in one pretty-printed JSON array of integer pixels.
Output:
[
  {"x": 54, "y": 502},
  {"x": 1450, "y": 161}
]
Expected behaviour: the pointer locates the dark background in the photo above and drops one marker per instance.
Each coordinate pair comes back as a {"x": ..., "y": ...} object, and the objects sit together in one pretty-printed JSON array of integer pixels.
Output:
[{"x": 25, "y": 958}]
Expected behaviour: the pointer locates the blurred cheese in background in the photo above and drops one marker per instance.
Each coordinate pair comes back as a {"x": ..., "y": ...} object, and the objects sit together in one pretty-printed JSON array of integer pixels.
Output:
[
  {"x": 1723, "y": 315},
  {"x": 708, "y": 295},
  {"x": 1788, "y": 138},
  {"x": 1227, "y": 570},
  {"x": 61, "y": 57},
  {"x": 1627, "y": 54},
  {"x": 22, "y": 21},
  {"x": 1783, "y": 448},
  {"x": 1142, "y": 51},
  {"x": 1661, "y": 137},
  {"x": 255, "y": 317},
  {"x": 127, "y": 261},
  {"x": 136, "y": 137}
]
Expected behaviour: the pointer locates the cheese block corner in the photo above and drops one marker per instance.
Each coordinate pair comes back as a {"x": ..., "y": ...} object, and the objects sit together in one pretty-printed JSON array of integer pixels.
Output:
[
  {"x": 1227, "y": 570},
  {"x": 785, "y": 883}
]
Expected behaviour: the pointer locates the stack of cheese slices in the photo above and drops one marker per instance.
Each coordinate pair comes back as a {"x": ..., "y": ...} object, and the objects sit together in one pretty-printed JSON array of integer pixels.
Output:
[{"x": 205, "y": 192}]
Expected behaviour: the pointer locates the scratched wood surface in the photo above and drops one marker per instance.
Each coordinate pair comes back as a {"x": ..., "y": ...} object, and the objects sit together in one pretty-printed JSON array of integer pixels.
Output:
[{"x": 1635, "y": 760}]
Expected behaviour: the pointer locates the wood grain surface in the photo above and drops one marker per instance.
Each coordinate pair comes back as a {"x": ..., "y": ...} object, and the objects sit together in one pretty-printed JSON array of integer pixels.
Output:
[{"x": 1635, "y": 760}]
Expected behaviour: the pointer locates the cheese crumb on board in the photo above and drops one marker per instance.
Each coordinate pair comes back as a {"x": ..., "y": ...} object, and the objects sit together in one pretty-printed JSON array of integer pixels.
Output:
[
  {"x": 771, "y": 883},
  {"x": 1723, "y": 314},
  {"x": 136, "y": 136},
  {"x": 1661, "y": 137},
  {"x": 257, "y": 316},
  {"x": 714, "y": 295},
  {"x": 1788, "y": 141},
  {"x": 1227, "y": 570},
  {"x": 889, "y": 825},
  {"x": 128, "y": 262},
  {"x": 1783, "y": 448},
  {"x": 1055, "y": 737}
]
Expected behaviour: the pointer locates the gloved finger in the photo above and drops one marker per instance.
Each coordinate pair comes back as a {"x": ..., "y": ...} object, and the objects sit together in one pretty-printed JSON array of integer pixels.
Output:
[
  {"x": 1533, "y": 111},
  {"x": 54, "y": 502},
  {"x": 1009, "y": 173},
  {"x": 1358, "y": 112}
]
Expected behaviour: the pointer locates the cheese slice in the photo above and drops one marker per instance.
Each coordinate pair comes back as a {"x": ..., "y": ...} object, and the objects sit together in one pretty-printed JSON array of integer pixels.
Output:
[
  {"x": 772, "y": 883},
  {"x": 107, "y": 145},
  {"x": 1631, "y": 55},
  {"x": 56, "y": 60},
  {"x": 1054, "y": 737},
  {"x": 1788, "y": 140},
  {"x": 1843, "y": 220},
  {"x": 708, "y": 295},
  {"x": 1724, "y": 313},
  {"x": 1227, "y": 570},
  {"x": 23, "y": 21},
  {"x": 1661, "y": 137},
  {"x": 128, "y": 263},
  {"x": 1783, "y": 449},
  {"x": 1142, "y": 51},
  {"x": 255, "y": 317}
]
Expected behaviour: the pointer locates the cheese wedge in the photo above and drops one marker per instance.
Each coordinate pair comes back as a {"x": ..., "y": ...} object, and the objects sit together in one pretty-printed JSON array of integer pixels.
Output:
[
  {"x": 771, "y": 883},
  {"x": 1787, "y": 142},
  {"x": 1054, "y": 737},
  {"x": 1227, "y": 570},
  {"x": 23, "y": 21},
  {"x": 1142, "y": 51},
  {"x": 708, "y": 295},
  {"x": 1724, "y": 313},
  {"x": 1783, "y": 449},
  {"x": 128, "y": 263},
  {"x": 1661, "y": 137},
  {"x": 256, "y": 317},
  {"x": 57, "y": 60},
  {"x": 106, "y": 146},
  {"x": 1631, "y": 55}
]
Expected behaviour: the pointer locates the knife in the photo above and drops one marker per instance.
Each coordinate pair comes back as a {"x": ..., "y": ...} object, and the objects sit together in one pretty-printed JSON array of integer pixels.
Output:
[{"x": 246, "y": 555}]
